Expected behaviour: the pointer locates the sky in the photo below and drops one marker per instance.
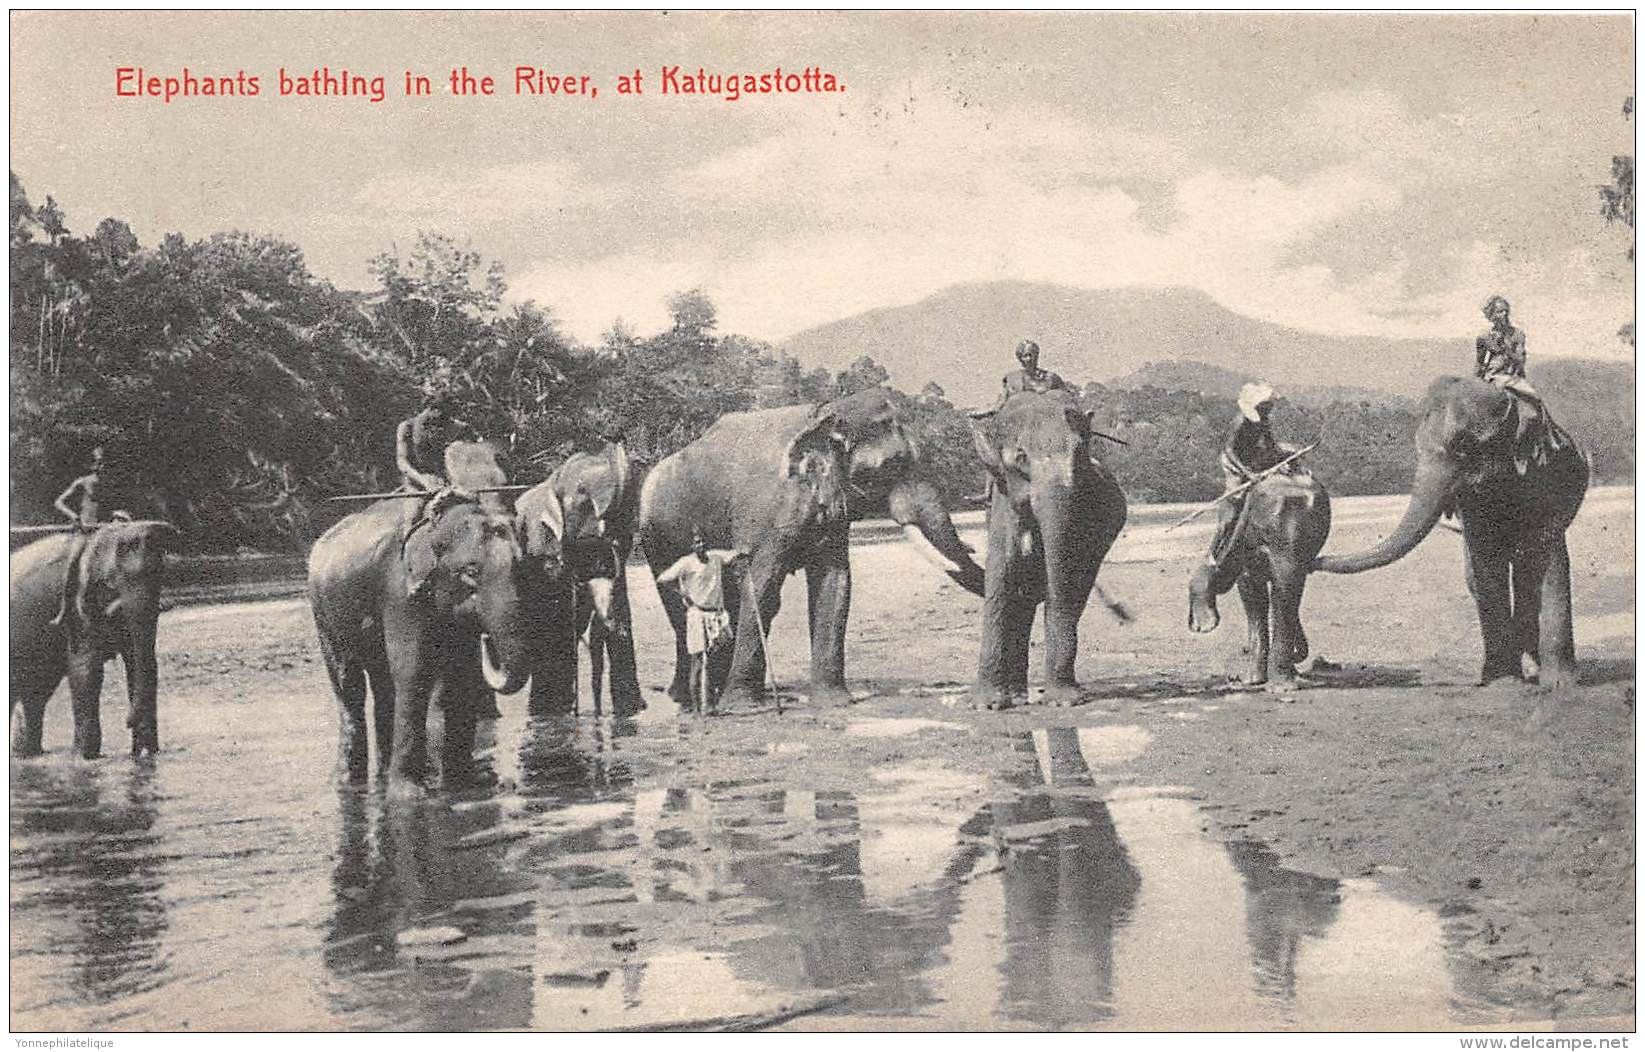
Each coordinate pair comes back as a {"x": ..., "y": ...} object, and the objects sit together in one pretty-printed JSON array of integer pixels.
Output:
[{"x": 1371, "y": 175}]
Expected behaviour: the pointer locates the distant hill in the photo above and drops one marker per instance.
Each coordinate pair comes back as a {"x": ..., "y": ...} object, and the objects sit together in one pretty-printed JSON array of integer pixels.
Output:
[
  {"x": 1216, "y": 382},
  {"x": 962, "y": 338}
]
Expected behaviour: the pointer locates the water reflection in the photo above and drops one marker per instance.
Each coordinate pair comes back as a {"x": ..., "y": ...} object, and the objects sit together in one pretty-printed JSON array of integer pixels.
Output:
[
  {"x": 88, "y": 862},
  {"x": 605, "y": 885}
]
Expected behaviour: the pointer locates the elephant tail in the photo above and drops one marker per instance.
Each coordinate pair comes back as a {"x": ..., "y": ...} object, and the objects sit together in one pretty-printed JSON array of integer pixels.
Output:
[{"x": 1121, "y": 613}]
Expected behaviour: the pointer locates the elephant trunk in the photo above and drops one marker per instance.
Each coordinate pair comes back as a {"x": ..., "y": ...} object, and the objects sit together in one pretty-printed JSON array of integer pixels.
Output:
[
  {"x": 1432, "y": 492},
  {"x": 917, "y": 506},
  {"x": 142, "y": 677},
  {"x": 1069, "y": 574},
  {"x": 506, "y": 673},
  {"x": 1202, "y": 600}
]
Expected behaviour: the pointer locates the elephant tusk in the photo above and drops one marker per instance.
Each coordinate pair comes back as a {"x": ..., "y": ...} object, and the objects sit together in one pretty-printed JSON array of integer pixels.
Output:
[
  {"x": 496, "y": 678},
  {"x": 113, "y": 609},
  {"x": 923, "y": 545}
]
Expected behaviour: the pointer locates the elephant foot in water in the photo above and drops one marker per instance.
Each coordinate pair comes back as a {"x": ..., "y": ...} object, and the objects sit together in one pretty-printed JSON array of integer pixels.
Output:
[
  {"x": 737, "y": 696},
  {"x": 834, "y": 694},
  {"x": 1062, "y": 695},
  {"x": 990, "y": 696},
  {"x": 1282, "y": 685}
]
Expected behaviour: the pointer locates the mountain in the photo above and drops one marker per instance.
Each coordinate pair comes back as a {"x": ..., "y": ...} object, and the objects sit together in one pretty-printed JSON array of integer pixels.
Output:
[
  {"x": 962, "y": 338},
  {"x": 1216, "y": 382}
]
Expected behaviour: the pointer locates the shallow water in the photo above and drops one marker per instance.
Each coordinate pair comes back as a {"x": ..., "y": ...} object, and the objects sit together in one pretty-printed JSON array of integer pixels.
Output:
[{"x": 228, "y": 885}]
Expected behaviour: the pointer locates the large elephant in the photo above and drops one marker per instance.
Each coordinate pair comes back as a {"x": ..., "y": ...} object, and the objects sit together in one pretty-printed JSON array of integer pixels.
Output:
[
  {"x": 1282, "y": 525},
  {"x": 1053, "y": 516},
  {"x": 1513, "y": 526},
  {"x": 728, "y": 484},
  {"x": 433, "y": 618},
  {"x": 121, "y": 572},
  {"x": 579, "y": 527}
]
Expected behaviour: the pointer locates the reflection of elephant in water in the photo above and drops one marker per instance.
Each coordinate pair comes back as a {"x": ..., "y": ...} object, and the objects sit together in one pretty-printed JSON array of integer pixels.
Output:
[
  {"x": 579, "y": 525},
  {"x": 1513, "y": 525},
  {"x": 433, "y": 618},
  {"x": 731, "y": 484},
  {"x": 397, "y": 867},
  {"x": 121, "y": 571},
  {"x": 1282, "y": 525},
  {"x": 1282, "y": 907},
  {"x": 1067, "y": 890},
  {"x": 1054, "y": 515}
]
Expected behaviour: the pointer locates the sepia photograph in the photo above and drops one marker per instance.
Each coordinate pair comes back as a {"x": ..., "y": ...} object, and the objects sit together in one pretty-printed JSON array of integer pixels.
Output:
[{"x": 822, "y": 521}]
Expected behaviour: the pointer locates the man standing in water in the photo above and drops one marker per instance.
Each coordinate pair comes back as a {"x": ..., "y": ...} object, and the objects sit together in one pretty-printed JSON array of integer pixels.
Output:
[{"x": 700, "y": 579}]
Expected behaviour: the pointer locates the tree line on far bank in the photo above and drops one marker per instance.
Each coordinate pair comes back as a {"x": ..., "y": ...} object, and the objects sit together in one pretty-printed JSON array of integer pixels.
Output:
[{"x": 234, "y": 391}]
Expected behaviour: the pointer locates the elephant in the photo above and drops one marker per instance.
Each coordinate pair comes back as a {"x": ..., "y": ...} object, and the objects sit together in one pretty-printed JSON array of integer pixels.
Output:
[
  {"x": 1053, "y": 515},
  {"x": 122, "y": 570},
  {"x": 433, "y": 616},
  {"x": 1282, "y": 525},
  {"x": 1517, "y": 566},
  {"x": 725, "y": 485},
  {"x": 578, "y": 525}
]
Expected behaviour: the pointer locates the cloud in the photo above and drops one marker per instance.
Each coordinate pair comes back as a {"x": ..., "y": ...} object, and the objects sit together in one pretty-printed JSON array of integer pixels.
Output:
[
  {"x": 529, "y": 187},
  {"x": 1375, "y": 228}
]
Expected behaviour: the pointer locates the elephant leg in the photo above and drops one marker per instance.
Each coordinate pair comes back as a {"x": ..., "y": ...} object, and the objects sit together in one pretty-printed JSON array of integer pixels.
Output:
[
  {"x": 31, "y": 688},
  {"x": 461, "y": 696},
  {"x": 348, "y": 683},
  {"x": 1489, "y": 585},
  {"x": 1253, "y": 595},
  {"x": 623, "y": 676},
  {"x": 762, "y": 596},
  {"x": 554, "y": 665},
  {"x": 1285, "y": 600},
  {"x": 382, "y": 711},
  {"x": 1557, "y": 651},
  {"x": 86, "y": 692},
  {"x": 1007, "y": 614},
  {"x": 679, "y": 688},
  {"x": 828, "y": 590},
  {"x": 596, "y": 663}
]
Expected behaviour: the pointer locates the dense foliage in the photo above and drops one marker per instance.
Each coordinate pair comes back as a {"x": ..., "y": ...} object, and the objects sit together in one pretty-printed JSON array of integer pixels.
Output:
[{"x": 234, "y": 390}]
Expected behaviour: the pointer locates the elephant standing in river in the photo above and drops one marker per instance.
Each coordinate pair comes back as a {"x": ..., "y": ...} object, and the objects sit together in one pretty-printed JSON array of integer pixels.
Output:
[
  {"x": 579, "y": 526},
  {"x": 1513, "y": 525},
  {"x": 121, "y": 572},
  {"x": 433, "y": 618},
  {"x": 729, "y": 483},
  {"x": 1054, "y": 514},
  {"x": 1282, "y": 524}
]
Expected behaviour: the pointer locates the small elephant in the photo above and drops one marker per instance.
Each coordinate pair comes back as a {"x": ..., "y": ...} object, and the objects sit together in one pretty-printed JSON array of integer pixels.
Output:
[
  {"x": 122, "y": 569},
  {"x": 579, "y": 527},
  {"x": 434, "y": 618},
  {"x": 1513, "y": 526},
  {"x": 725, "y": 485},
  {"x": 1282, "y": 525},
  {"x": 1053, "y": 516}
]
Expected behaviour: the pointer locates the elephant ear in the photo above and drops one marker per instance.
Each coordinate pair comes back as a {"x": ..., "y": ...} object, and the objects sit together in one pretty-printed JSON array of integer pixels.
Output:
[
  {"x": 421, "y": 560},
  {"x": 983, "y": 443},
  {"x": 551, "y": 518},
  {"x": 822, "y": 434},
  {"x": 616, "y": 456}
]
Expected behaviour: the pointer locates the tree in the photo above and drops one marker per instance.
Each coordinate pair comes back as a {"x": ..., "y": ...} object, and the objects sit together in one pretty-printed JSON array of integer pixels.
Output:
[
  {"x": 861, "y": 375},
  {"x": 1617, "y": 204}
]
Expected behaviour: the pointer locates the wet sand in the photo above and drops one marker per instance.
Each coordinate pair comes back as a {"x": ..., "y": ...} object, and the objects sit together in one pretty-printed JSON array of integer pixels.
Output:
[{"x": 1389, "y": 847}]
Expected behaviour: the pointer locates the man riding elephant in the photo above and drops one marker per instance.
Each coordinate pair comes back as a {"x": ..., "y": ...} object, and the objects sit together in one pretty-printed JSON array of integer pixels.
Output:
[
  {"x": 1249, "y": 451},
  {"x": 1030, "y": 377},
  {"x": 420, "y": 443},
  {"x": 1499, "y": 358},
  {"x": 80, "y": 503}
]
